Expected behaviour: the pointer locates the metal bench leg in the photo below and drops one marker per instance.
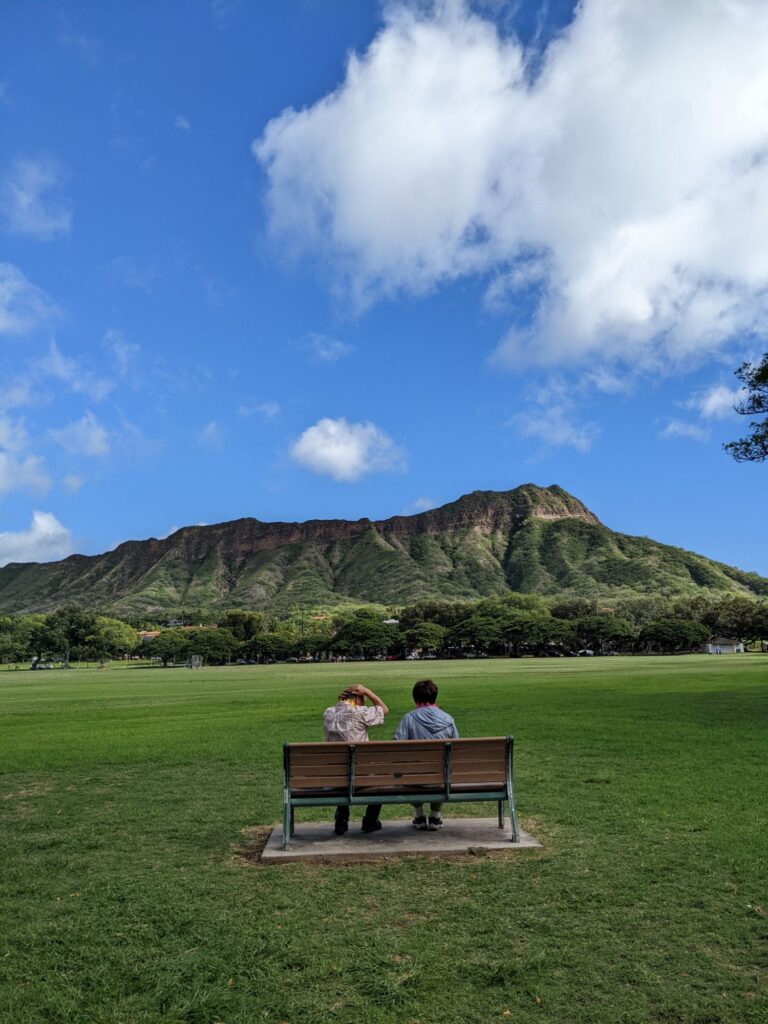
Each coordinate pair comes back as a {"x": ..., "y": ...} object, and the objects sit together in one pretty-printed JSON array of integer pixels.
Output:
[
  {"x": 286, "y": 821},
  {"x": 292, "y": 828},
  {"x": 513, "y": 820},
  {"x": 501, "y": 814},
  {"x": 511, "y": 792}
]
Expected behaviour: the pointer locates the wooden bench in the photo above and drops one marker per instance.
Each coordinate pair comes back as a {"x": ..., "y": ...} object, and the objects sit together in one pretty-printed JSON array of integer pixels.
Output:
[{"x": 398, "y": 772}]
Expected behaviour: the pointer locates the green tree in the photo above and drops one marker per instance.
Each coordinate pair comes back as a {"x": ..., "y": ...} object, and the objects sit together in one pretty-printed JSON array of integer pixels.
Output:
[
  {"x": 674, "y": 635},
  {"x": 483, "y": 633},
  {"x": 244, "y": 625},
  {"x": 365, "y": 634},
  {"x": 732, "y": 616},
  {"x": 604, "y": 632},
  {"x": 753, "y": 447},
  {"x": 68, "y": 631},
  {"x": 428, "y": 636},
  {"x": 269, "y": 647},
  {"x": 110, "y": 638},
  {"x": 215, "y": 646},
  {"x": 169, "y": 645},
  {"x": 535, "y": 633},
  {"x": 573, "y": 607},
  {"x": 443, "y": 613}
]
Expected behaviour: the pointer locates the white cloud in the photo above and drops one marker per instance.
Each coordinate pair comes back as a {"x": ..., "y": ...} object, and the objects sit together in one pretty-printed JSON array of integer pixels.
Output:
[
  {"x": 182, "y": 123},
  {"x": 556, "y": 427},
  {"x": 211, "y": 436},
  {"x": 346, "y": 451},
  {"x": 18, "y": 474},
  {"x": 19, "y": 392},
  {"x": 13, "y": 434},
  {"x": 690, "y": 431},
  {"x": 123, "y": 350},
  {"x": 326, "y": 349},
  {"x": 44, "y": 540},
  {"x": 85, "y": 436},
  {"x": 266, "y": 409},
  {"x": 71, "y": 372},
  {"x": 419, "y": 505},
  {"x": 623, "y": 180},
  {"x": 31, "y": 200},
  {"x": 23, "y": 306},
  {"x": 133, "y": 275},
  {"x": 72, "y": 483},
  {"x": 550, "y": 415},
  {"x": 717, "y": 403}
]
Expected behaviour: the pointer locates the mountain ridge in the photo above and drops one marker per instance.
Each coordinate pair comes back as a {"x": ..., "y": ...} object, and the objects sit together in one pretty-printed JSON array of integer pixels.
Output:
[{"x": 531, "y": 538}]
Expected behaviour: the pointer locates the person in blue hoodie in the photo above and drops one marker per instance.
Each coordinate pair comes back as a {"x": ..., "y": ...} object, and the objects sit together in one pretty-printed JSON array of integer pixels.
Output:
[{"x": 427, "y": 722}]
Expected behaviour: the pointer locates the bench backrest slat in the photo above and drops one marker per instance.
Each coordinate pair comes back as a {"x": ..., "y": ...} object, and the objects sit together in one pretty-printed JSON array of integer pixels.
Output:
[{"x": 386, "y": 764}]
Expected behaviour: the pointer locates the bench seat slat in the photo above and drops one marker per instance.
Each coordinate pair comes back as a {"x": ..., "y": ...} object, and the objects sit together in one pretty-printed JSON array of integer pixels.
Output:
[
  {"x": 319, "y": 779},
  {"x": 327, "y": 758}
]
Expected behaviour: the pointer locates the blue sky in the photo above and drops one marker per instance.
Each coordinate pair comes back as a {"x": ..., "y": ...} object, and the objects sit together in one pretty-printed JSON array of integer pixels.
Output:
[{"x": 245, "y": 274}]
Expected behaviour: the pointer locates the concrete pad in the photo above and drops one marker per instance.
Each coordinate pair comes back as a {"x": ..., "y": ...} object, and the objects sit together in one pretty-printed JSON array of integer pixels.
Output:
[{"x": 316, "y": 840}]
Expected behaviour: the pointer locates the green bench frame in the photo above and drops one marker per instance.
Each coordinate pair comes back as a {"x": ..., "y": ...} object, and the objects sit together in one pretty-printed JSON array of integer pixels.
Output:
[{"x": 313, "y": 790}]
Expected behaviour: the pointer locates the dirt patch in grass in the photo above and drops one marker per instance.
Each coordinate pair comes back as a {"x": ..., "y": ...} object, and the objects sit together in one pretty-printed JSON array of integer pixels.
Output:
[
  {"x": 29, "y": 792},
  {"x": 248, "y": 852}
]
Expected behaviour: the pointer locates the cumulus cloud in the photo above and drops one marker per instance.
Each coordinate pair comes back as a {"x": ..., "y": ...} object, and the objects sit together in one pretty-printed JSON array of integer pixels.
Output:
[
  {"x": 23, "y": 306},
  {"x": 621, "y": 182},
  {"x": 32, "y": 201},
  {"x": 690, "y": 431},
  {"x": 183, "y": 123},
  {"x": 717, "y": 402},
  {"x": 17, "y": 474},
  {"x": 85, "y": 436},
  {"x": 44, "y": 540},
  {"x": 346, "y": 451}
]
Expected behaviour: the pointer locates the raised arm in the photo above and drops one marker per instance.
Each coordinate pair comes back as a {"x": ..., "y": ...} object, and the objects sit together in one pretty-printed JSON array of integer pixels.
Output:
[{"x": 363, "y": 691}]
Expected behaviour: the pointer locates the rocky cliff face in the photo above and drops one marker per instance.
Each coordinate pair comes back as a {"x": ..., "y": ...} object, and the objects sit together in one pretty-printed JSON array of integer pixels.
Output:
[{"x": 531, "y": 539}]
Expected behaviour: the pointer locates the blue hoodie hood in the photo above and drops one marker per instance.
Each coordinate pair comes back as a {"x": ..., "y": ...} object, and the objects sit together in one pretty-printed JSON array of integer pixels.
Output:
[{"x": 428, "y": 723}]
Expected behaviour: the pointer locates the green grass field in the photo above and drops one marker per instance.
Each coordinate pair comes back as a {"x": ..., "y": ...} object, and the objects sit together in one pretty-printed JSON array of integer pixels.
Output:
[{"x": 124, "y": 795}]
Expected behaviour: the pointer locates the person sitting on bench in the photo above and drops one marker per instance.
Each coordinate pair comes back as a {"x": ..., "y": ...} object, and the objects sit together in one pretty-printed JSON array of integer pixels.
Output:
[
  {"x": 348, "y": 721},
  {"x": 427, "y": 722}
]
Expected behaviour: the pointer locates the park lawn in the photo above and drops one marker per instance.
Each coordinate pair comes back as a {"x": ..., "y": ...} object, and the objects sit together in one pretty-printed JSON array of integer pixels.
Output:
[{"x": 124, "y": 796}]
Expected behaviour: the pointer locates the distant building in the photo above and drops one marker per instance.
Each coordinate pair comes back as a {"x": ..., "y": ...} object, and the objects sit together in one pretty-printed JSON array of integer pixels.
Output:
[{"x": 724, "y": 645}]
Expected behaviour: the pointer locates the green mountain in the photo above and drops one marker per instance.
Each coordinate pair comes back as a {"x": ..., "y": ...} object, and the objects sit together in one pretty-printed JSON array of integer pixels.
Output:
[{"x": 531, "y": 539}]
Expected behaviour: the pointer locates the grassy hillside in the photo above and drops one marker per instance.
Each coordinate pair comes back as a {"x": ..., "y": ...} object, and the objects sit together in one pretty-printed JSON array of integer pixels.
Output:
[{"x": 534, "y": 540}]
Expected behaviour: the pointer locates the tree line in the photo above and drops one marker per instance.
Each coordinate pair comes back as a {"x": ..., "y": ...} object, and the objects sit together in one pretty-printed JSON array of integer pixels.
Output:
[{"x": 514, "y": 625}]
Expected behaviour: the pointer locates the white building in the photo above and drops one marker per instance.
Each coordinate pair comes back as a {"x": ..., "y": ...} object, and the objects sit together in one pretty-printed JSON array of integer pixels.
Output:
[{"x": 724, "y": 645}]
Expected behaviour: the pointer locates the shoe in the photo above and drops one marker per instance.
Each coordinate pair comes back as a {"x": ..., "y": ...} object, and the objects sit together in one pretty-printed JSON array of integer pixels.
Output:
[
  {"x": 371, "y": 826},
  {"x": 435, "y": 822},
  {"x": 420, "y": 823},
  {"x": 340, "y": 828}
]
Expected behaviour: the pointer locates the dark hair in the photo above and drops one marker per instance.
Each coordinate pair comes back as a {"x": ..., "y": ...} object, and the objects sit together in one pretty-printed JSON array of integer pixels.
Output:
[
  {"x": 349, "y": 695},
  {"x": 425, "y": 692}
]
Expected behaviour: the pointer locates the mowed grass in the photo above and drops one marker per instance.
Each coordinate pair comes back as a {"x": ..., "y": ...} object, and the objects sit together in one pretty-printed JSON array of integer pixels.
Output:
[{"x": 124, "y": 797}]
